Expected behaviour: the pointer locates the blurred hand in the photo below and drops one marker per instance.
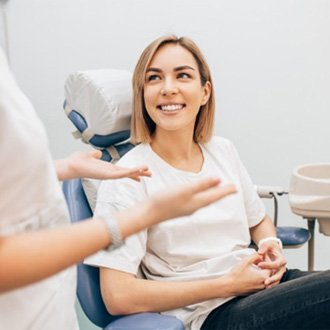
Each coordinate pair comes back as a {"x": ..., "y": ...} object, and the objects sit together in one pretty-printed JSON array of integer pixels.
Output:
[
  {"x": 187, "y": 199},
  {"x": 89, "y": 165}
]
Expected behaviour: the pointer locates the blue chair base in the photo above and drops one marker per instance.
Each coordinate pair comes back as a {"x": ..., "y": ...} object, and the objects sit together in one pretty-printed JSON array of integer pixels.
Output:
[{"x": 146, "y": 321}]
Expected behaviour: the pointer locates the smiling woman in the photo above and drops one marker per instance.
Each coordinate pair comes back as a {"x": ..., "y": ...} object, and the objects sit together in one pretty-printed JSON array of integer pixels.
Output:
[
  {"x": 199, "y": 268},
  {"x": 191, "y": 68},
  {"x": 173, "y": 89}
]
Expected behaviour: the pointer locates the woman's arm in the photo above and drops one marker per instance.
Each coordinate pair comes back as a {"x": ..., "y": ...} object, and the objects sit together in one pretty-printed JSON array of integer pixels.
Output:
[
  {"x": 29, "y": 257},
  {"x": 123, "y": 293},
  {"x": 265, "y": 228},
  {"x": 89, "y": 165}
]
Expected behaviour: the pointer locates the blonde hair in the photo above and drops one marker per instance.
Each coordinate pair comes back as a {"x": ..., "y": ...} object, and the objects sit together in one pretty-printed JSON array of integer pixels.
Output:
[{"x": 142, "y": 126}]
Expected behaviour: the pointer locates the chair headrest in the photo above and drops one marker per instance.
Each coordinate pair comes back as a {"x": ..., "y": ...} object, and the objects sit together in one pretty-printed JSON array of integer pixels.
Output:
[{"x": 99, "y": 103}]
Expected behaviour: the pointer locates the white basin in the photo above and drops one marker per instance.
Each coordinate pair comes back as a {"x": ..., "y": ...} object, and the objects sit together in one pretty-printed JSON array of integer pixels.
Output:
[{"x": 309, "y": 193}]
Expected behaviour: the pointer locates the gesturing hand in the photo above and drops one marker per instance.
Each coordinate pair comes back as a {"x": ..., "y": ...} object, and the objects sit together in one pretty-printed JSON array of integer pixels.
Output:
[
  {"x": 89, "y": 165},
  {"x": 187, "y": 199}
]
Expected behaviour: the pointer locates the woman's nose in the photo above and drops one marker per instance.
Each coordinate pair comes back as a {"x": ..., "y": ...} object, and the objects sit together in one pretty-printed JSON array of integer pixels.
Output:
[{"x": 169, "y": 88}]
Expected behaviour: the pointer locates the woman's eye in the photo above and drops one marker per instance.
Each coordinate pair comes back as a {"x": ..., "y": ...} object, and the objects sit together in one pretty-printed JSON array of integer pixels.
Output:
[
  {"x": 183, "y": 75},
  {"x": 153, "y": 77}
]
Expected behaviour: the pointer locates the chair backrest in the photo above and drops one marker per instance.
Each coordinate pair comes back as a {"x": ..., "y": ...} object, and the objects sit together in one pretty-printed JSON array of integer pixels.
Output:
[
  {"x": 88, "y": 286},
  {"x": 98, "y": 103}
]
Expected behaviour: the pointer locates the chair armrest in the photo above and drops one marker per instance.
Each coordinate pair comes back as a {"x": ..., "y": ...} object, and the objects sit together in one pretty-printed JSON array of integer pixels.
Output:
[{"x": 269, "y": 191}]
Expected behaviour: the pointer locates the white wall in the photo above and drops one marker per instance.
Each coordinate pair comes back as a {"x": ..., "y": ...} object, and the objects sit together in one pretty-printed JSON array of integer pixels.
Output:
[{"x": 270, "y": 62}]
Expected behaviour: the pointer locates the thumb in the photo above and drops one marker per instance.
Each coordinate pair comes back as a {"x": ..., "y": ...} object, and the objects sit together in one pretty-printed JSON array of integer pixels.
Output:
[
  {"x": 255, "y": 259},
  {"x": 262, "y": 250},
  {"x": 96, "y": 154}
]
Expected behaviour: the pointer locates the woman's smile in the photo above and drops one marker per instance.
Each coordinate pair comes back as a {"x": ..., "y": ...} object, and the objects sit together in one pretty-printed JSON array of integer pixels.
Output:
[{"x": 171, "y": 109}]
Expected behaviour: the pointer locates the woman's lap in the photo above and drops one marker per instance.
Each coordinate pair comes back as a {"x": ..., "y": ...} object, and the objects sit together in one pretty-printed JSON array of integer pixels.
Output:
[{"x": 301, "y": 301}]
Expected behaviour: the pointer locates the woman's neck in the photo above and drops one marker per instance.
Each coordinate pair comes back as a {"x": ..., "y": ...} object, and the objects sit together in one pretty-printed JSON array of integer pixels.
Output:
[{"x": 179, "y": 150}]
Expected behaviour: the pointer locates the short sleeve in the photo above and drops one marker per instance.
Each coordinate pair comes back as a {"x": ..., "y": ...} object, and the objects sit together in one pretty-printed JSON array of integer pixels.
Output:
[{"x": 254, "y": 207}]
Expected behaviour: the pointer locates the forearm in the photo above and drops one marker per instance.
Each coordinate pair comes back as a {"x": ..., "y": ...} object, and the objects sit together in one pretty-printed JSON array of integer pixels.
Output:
[
  {"x": 137, "y": 295},
  {"x": 264, "y": 229},
  {"x": 64, "y": 169},
  {"x": 139, "y": 217},
  {"x": 29, "y": 257}
]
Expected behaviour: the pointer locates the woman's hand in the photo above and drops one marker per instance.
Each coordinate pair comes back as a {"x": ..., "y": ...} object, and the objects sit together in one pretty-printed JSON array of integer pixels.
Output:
[
  {"x": 273, "y": 260},
  {"x": 187, "y": 199},
  {"x": 247, "y": 277},
  {"x": 89, "y": 165}
]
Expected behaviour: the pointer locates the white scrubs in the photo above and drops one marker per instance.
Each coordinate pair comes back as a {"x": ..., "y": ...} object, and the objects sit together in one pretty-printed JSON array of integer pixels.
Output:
[{"x": 30, "y": 200}]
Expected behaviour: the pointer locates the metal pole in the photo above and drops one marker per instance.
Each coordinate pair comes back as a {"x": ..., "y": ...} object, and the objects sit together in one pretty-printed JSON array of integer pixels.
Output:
[{"x": 311, "y": 228}]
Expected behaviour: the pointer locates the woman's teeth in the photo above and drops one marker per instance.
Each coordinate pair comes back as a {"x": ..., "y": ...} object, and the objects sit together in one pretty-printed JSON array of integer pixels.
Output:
[{"x": 171, "y": 107}]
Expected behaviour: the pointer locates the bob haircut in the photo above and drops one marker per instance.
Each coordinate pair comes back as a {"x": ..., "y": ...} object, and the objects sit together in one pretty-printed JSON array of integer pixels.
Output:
[{"x": 142, "y": 126}]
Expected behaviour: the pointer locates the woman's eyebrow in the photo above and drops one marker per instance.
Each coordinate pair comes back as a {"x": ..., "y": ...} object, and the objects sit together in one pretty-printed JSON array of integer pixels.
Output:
[
  {"x": 183, "y": 67},
  {"x": 154, "y": 70},
  {"x": 178, "y": 68}
]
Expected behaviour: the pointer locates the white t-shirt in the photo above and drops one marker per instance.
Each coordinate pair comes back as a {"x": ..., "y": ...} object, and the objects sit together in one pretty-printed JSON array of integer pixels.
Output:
[
  {"x": 204, "y": 245},
  {"x": 30, "y": 199}
]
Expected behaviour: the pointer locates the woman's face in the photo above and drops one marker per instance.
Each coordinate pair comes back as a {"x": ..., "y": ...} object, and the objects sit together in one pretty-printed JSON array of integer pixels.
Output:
[{"x": 173, "y": 92}]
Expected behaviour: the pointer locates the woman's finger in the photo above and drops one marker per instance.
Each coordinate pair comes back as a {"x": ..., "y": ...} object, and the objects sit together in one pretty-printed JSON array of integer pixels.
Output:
[
  {"x": 275, "y": 264},
  {"x": 132, "y": 173},
  {"x": 211, "y": 192},
  {"x": 276, "y": 278},
  {"x": 203, "y": 184}
]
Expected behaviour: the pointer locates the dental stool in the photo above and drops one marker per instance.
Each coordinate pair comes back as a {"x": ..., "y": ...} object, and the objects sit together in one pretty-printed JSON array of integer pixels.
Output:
[
  {"x": 309, "y": 197},
  {"x": 98, "y": 103}
]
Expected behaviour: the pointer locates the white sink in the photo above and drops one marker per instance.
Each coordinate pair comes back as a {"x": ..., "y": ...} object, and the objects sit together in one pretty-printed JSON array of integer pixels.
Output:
[{"x": 309, "y": 193}]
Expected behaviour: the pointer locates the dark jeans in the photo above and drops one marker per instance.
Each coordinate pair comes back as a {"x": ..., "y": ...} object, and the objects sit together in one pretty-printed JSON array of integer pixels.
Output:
[{"x": 300, "y": 301}]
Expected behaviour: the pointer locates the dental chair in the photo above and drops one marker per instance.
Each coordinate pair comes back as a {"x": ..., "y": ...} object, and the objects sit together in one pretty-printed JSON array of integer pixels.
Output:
[
  {"x": 98, "y": 103},
  {"x": 108, "y": 94}
]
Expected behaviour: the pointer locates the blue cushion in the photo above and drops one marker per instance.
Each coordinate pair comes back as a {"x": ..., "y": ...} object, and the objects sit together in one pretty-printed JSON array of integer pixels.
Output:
[
  {"x": 293, "y": 236},
  {"x": 100, "y": 141}
]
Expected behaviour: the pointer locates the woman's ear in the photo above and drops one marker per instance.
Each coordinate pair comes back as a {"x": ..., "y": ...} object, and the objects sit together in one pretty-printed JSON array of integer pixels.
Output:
[{"x": 207, "y": 88}]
